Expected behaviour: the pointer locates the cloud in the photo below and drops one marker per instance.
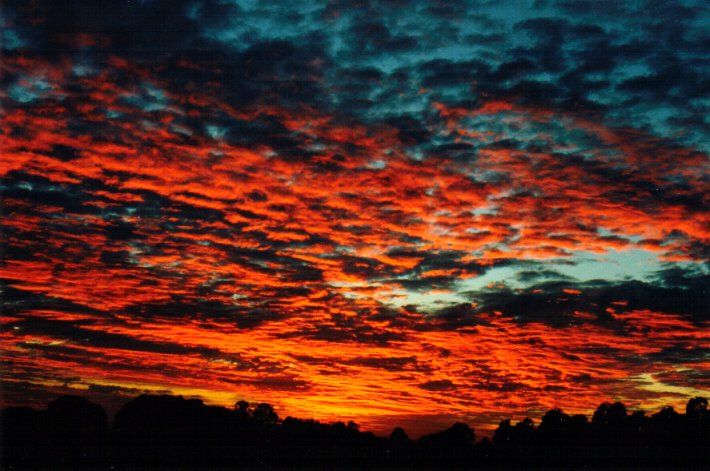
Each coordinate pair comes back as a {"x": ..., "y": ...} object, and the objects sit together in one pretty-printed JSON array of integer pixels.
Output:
[
  {"x": 442, "y": 385},
  {"x": 507, "y": 200},
  {"x": 119, "y": 27},
  {"x": 82, "y": 333},
  {"x": 558, "y": 301}
]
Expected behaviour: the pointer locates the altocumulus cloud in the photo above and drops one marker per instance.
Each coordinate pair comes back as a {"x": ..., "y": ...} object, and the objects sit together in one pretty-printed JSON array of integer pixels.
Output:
[{"x": 504, "y": 202}]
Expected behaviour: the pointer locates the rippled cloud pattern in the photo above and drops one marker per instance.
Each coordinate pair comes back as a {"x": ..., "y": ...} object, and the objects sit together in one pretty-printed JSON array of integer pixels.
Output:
[{"x": 401, "y": 213}]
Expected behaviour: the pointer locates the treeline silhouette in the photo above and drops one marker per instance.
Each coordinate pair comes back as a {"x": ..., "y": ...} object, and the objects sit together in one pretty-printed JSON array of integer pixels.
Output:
[{"x": 175, "y": 433}]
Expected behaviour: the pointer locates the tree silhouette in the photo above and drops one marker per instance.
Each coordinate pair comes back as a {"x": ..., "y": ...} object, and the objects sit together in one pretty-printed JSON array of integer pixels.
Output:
[
  {"x": 515, "y": 444},
  {"x": 22, "y": 430},
  {"x": 265, "y": 414},
  {"x": 608, "y": 414},
  {"x": 554, "y": 423},
  {"x": 560, "y": 438},
  {"x": 71, "y": 432},
  {"x": 400, "y": 448},
  {"x": 696, "y": 407},
  {"x": 242, "y": 409},
  {"x": 697, "y": 423},
  {"x": 168, "y": 432},
  {"x": 453, "y": 446},
  {"x": 399, "y": 437},
  {"x": 78, "y": 431}
]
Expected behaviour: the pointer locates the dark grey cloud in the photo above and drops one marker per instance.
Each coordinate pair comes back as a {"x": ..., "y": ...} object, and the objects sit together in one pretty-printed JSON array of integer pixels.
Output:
[
  {"x": 193, "y": 307},
  {"x": 438, "y": 385},
  {"x": 410, "y": 130},
  {"x": 445, "y": 73},
  {"x": 536, "y": 275},
  {"x": 18, "y": 301},
  {"x": 417, "y": 278},
  {"x": 42, "y": 192},
  {"x": 391, "y": 363},
  {"x": 548, "y": 302},
  {"x": 341, "y": 328},
  {"x": 410, "y": 363},
  {"x": 682, "y": 353},
  {"x": 371, "y": 36},
  {"x": 142, "y": 29},
  {"x": 76, "y": 332},
  {"x": 693, "y": 278},
  {"x": 62, "y": 352},
  {"x": 452, "y": 317},
  {"x": 206, "y": 75}
]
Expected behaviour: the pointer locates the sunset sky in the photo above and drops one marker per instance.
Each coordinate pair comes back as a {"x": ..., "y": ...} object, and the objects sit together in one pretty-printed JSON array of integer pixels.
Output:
[{"x": 397, "y": 213}]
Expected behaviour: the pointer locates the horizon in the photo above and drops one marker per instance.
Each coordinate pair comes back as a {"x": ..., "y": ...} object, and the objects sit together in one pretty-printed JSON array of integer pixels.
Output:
[
  {"x": 415, "y": 426},
  {"x": 479, "y": 434},
  {"x": 386, "y": 212},
  {"x": 169, "y": 431}
]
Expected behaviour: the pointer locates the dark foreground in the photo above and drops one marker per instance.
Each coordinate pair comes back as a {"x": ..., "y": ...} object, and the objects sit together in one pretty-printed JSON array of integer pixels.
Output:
[{"x": 175, "y": 433}]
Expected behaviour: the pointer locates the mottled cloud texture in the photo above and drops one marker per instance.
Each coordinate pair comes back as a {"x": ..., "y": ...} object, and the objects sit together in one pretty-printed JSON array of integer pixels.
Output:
[{"x": 395, "y": 212}]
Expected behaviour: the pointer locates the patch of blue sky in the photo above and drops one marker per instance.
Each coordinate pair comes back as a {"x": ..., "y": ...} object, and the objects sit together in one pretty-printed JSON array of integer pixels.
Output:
[
  {"x": 28, "y": 89},
  {"x": 512, "y": 12},
  {"x": 497, "y": 123},
  {"x": 491, "y": 177},
  {"x": 376, "y": 164},
  {"x": 216, "y": 132},
  {"x": 659, "y": 119},
  {"x": 177, "y": 128},
  {"x": 490, "y": 210},
  {"x": 247, "y": 4},
  {"x": 416, "y": 154},
  {"x": 149, "y": 124},
  {"x": 494, "y": 276},
  {"x": 424, "y": 299},
  {"x": 702, "y": 16},
  {"x": 387, "y": 63},
  {"x": 664, "y": 120},
  {"x": 267, "y": 21},
  {"x": 82, "y": 69},
  {"x": 155, "y": 94},
  {"x": 25, "y": 186},
  {"x": 192, "y": 11},
  {"x": 150, "y": 98},
  {"x": 702, "y": 103},
  {"x": 10, "y": 39},
  {"x": 613, "y": 266},
  {"x": 630, "y": 70},
  {"x": 403, "y": 105}
]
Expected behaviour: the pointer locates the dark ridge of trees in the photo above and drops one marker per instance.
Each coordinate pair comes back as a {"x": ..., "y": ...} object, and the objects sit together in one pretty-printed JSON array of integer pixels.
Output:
[
  {"x": 71, "y": 432},
  {"x": 169, "y": 432}
]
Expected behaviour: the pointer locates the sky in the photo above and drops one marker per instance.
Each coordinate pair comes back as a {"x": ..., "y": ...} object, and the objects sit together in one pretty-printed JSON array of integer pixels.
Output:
[{"x": 398, "y": 213}]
